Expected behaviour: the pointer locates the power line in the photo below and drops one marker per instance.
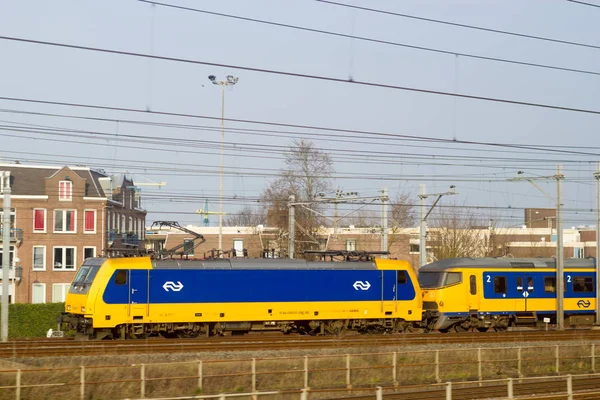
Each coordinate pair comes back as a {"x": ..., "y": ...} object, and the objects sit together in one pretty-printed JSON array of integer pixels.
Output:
[
  {"x": 263, "y": 132},
  {"x": 584, "y": 3},
  {"x": 279, "y": 124},
  {"x": 480, "y": 28},
  {"x": 371, "y": 40},
  {"x": 302, "y": 75}
]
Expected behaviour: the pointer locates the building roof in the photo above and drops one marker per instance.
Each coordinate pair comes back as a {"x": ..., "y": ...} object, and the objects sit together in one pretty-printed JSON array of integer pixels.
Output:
[{"x": 29, "y": 180}]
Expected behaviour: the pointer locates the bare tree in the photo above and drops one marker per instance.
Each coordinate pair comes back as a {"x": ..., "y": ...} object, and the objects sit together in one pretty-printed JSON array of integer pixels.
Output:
[
  {"x": 402, "y": 216},
  {"x": 306, "y": 176},
  {"x": 456, "y": 233},
  {"x": 246, "y": 216}
]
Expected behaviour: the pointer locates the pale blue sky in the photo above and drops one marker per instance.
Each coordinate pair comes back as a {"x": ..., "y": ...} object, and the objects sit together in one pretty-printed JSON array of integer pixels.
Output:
[{"x": 48, "y": 73}]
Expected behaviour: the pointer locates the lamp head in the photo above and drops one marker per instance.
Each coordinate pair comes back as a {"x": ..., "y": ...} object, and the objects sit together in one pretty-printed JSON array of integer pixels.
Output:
[
  {"x": 212, "y": 78},
  {"x": 232, "y": 79}
]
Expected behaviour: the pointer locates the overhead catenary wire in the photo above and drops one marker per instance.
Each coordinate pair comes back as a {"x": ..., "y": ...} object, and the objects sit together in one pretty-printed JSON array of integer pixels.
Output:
[
  {"x": 584, "y": 3},
  {"x": 467, "y": 26},
  {"x": 370, "y": 40},
  {"x": 302, "y": 75},
  {"x": 268, "y": 123}
]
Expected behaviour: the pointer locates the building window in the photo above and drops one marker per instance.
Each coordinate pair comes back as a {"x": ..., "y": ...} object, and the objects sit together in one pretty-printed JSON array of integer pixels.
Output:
[
  {"x": 351, "y": 245},
  {"x": 64, "y": 258},
  {"x": 39, "y": 220},
  {"x": 188, "y": 247},
  {"x": 578, "y": 252},
  {"x": 65, "y": 191},
  {"x": 89, "y": 221},
  {"x": 10, "y": 257},
  {"x": 131, "y": 228},
  {"x": 59, "y": 292},
  {"x": 64, "y": 220},
  {"x": 414, "y": 248},
  {"x": 39, "y": 258},
  {"x": 89, "y": 252},
  {"x": 38, "y": 293},
  {"x": 124, "y": 224}
]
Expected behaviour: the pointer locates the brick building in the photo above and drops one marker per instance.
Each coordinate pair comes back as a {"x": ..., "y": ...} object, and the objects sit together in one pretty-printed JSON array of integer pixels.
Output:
[{"x": 61, "y": 216}]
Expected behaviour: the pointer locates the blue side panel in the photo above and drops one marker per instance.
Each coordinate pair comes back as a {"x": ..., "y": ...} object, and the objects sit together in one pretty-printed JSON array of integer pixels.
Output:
[
  {"x": 116, "y": 294},
  {"x": 228, "y": 286},
  {"x": 538, "y": 291},
  {"x": 139, "y": 286}
]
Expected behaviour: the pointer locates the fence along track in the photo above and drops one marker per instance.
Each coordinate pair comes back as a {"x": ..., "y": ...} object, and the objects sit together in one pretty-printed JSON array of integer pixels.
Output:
[
  {"x": 357, "y": 371},
  {"x": 61, "y": 347}
]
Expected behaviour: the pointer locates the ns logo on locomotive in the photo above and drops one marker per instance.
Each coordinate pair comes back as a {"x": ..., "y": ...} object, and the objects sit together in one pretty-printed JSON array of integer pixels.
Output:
[{"x": 139, "y": 297}]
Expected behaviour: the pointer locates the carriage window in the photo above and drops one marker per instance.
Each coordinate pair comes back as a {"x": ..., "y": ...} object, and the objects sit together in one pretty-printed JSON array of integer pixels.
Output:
[
  {"x": 583, "y": 284},
  {"x": 453, "y": 277},
  {"x": 402, "y": 278},
  {"x": 499, "y": 284},
  {"x": 121, "y": 277},
  {"x": 519, "y": 284},
  {"x": 473, "y": 282},
  {"x": 550, "y": 284}
]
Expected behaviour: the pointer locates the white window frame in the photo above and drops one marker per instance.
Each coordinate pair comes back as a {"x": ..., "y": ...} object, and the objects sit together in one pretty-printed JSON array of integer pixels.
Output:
[
  {"x": 11, "y": 250},
  {"x": 89, "y": 247},
  {"x": 84, "y": 218},
  {"x": 65, "y": 290},
  {"x": 64, "y": 220},
  {"x": 45, "y": 220},
  {"x": 69, "y": 195},
  {"x": 33, "y": 268},
  {"x": 43, "y": 286},
  {"x": 64, "y": 268}
]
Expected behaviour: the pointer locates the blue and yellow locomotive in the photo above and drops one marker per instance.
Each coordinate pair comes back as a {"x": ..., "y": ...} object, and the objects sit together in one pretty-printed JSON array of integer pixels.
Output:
[
  {"x": 482, "y": 293},
  {"x": 138, "y": 297}
]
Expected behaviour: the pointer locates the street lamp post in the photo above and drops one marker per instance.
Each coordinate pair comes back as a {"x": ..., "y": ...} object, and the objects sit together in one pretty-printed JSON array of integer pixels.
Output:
[{"x": 229, "y": 81}]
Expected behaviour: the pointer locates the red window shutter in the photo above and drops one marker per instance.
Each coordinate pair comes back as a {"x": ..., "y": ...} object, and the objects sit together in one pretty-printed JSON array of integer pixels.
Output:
[
  {"x": 71, "y": 220},
  {"x": 39, "y": 220},
  {"x": 89, "y": 221}
]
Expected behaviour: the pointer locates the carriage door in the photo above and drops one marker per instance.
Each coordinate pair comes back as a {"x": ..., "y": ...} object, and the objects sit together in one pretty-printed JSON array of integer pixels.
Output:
[
  {"x": 138, "y": 294},
  {"x": 473, "y": 298},
  {"x": 389, "y": 291},
  {"x": 525, "y": 288}
]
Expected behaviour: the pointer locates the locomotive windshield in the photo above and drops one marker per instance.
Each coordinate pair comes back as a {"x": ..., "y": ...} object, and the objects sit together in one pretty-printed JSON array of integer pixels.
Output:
[
  {"x": 83, "y": 279},
  {"x": 439, "y": 279}
]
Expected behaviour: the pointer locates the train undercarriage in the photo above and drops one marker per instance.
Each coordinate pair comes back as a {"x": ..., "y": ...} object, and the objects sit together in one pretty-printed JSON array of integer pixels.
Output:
[
  {"x": 498, "y": 323},
  {"x": 84, "y": 330}
]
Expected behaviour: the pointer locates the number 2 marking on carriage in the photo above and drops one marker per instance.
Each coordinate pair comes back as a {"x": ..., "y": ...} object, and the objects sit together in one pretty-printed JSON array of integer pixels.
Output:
[{"x": 488, "y": 279}]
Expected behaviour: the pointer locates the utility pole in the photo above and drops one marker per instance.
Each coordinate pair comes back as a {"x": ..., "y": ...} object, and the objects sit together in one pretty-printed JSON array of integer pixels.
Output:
[
  {"x": 559, "y": 177},
  {"x": 6, "y": 191},
  {"x": 597, "y": 176},
  {"x": 291, "y": 225},
  {"x": 423, "y": 226},
  {"x": 560, "y": 314},
  {"x": 384, "y": 221}
]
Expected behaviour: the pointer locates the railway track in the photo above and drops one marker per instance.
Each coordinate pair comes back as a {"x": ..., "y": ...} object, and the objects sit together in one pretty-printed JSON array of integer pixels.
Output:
[
  {"x": 583, "y": 388},
  {"x": 62, "y": 347}
]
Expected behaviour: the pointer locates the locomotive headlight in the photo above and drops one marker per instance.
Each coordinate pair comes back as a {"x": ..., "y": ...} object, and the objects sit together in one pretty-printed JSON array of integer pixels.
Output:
[
  {"x": 82, "y": 309},
  {"x": 68, "y": 307},
  {"x": 441, "y": 304}
]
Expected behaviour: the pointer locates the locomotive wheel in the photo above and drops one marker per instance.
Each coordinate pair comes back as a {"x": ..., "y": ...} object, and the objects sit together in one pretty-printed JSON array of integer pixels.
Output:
[{"x": 334, "y": 327}]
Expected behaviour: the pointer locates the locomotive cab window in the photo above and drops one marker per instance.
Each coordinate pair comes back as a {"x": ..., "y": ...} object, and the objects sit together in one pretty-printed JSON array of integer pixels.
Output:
[
  {"x": 452, "y": 278},
  {"x": 121, "y": 277},
  {"x": 499, "y": 284},
  {"x": 583, "y": 284},
  {"x": 550, "y": 284},
  {"x": 402, "y": 278}
]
